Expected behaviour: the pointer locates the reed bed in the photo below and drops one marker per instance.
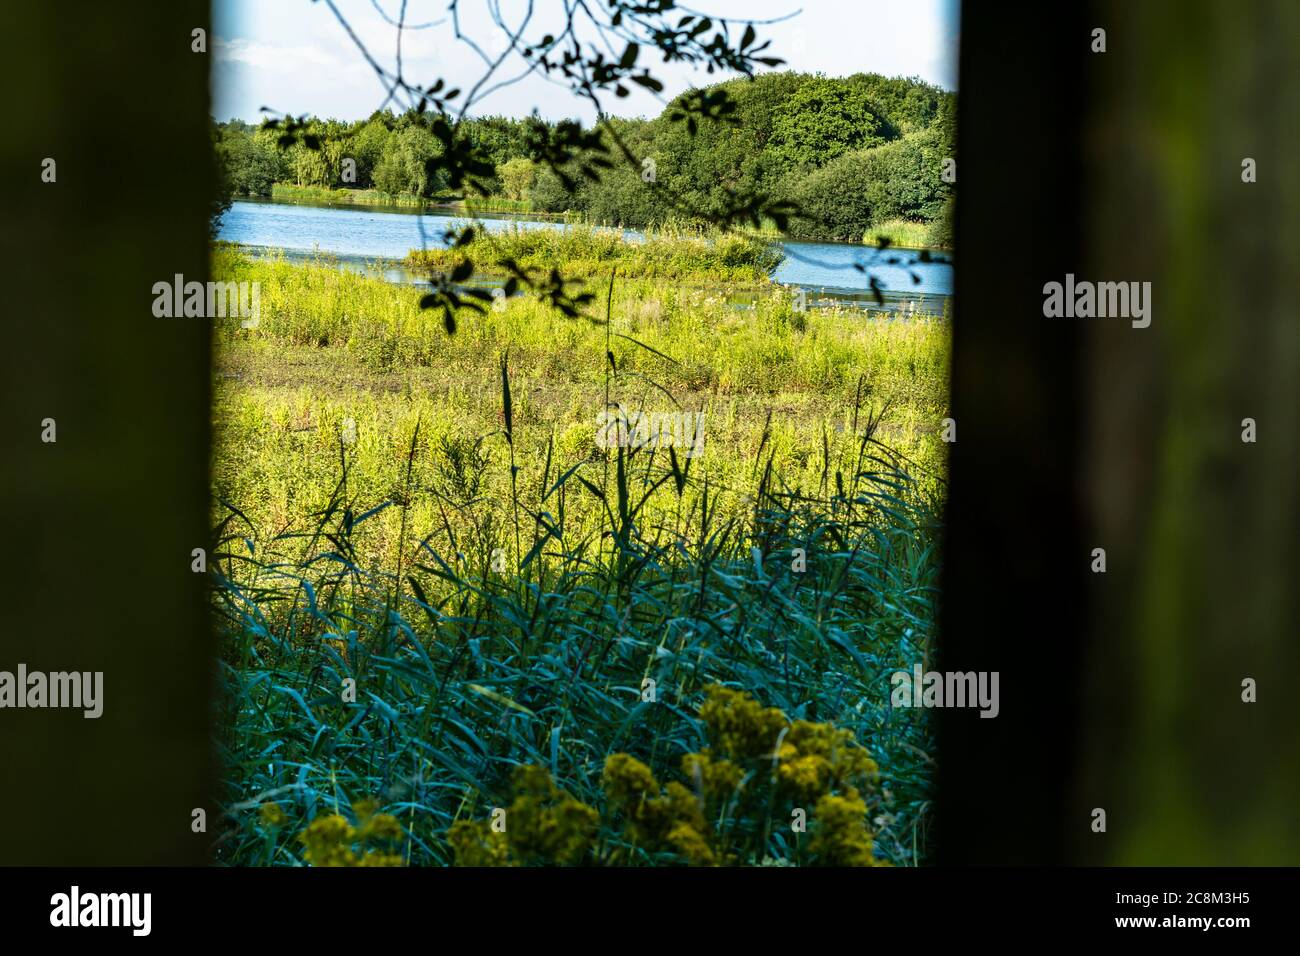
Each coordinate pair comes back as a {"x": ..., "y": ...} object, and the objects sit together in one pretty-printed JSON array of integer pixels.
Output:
[{"x": 429, "y": 575}]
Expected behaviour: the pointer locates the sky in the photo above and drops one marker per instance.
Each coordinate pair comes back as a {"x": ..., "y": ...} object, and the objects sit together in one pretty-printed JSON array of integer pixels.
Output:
[{"x": 295, "y": 57}]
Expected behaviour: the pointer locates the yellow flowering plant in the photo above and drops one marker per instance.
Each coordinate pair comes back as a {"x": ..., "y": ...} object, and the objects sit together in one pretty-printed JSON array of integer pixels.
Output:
[
  {"x": 543, "y": 826},
  {"x": 332, "y": 840},
  {"x": 758, "y": 770}
]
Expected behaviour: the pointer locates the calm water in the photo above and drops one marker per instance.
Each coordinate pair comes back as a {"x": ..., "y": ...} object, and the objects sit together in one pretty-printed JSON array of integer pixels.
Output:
[{"x": 360, "y": 235}]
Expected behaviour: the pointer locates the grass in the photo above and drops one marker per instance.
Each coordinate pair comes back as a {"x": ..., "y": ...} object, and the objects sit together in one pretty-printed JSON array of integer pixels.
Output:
[
  {"x": 471, "y": 205},
  {"x": 902, "y": 234},
  {"x": 590, "y": 252},
  {"x": 288, "y": 192},
  {"x": 430, "y": 517},
  {"x": 477, "y": 204}
]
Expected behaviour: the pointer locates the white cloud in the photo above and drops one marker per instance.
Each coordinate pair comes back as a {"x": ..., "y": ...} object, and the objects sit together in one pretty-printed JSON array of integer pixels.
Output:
[
  {"x": 294, "y": 56},
  {"x": 273, "y": 57}
]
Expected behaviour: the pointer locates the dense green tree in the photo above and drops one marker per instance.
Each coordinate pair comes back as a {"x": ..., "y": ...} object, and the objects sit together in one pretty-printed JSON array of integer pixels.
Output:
[
  {"x": 336, "y": 145},
  {"x": 402, "y": 167},
  {"x": 909, "y": 103},
  {"x": 368, "y": 144},
  {"x": 825, "y": 119},
  {"x": 249, "y": 163},
  {"x": 307, "y": 167},
  {"x": 726, "y": 156},
  {"x": 499, "y": 138},
  {"x": 222, "y": 192},
  {"x": 516, "y": 177},
  {"x": 628, "y": 195},
  {"x": 549, "y": 193},
  {"x": 843, "y": 199},
  {"x": 834, "y": 201}
]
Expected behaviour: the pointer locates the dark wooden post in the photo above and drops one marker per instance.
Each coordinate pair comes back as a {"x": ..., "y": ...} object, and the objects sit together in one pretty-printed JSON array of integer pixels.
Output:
[
  {"x": 1014, "y": 569},
  {"x": 99, "y": 525},
  {"x": 1201, "y": 528},
  {"x": 1122, "y": 691}
]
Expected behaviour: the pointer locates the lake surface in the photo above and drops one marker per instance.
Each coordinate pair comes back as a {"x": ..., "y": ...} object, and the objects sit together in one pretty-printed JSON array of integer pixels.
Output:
[{"x": 358, "y": 236}]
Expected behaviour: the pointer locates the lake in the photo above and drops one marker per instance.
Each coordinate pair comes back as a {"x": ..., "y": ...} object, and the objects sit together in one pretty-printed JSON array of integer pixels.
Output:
[{"x": 359, "y": 236}]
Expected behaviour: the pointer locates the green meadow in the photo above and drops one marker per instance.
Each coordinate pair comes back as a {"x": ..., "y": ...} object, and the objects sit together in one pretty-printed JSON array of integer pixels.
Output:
[{"x": 442, "y": 595}]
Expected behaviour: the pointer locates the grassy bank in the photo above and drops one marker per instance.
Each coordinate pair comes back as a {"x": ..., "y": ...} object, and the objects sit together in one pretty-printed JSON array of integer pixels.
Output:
[
  {"x": 469, "y": 205},
  {"x": 288, "y": 192},
  {"x": 448, "y": 534},
  {"x": 589, "y": 252},
  {"x": 904, "y": 234},
  {"x": 498, "y": 204}
]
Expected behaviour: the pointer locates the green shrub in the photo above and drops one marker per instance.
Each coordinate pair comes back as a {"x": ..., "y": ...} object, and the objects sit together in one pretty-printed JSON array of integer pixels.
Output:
[{"x": 843, "y": 199}]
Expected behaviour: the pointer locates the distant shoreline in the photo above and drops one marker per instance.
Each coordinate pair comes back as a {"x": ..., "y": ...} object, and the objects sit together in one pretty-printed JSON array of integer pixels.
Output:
[{"x": 901, "y": 234}]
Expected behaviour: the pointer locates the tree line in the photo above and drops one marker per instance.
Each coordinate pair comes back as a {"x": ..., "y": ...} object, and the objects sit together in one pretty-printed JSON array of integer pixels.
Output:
[{"x": 846, "y": 154}]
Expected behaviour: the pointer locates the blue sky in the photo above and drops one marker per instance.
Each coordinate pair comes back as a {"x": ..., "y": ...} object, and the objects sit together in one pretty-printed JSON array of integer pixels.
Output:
[{"x": 295, "y": 57}]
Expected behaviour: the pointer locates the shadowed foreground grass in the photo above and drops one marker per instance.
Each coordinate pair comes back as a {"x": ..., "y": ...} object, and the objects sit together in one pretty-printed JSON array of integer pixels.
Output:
[{"x": 568, "y": 662}]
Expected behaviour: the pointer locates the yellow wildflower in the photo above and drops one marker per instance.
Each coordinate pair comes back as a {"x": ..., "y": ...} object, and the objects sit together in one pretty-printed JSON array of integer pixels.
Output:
[
  {"x": 817, "y": 758},
  {"x": 476, "y": 844},
  {"x": 840, "y": 834},
  {"x": 381, "y": 826},
  {"x": 715, "y": 777},
  {"x": 738, "y": 726},
  {"x": 552, "y": 831},
  {"x": 807, "y": 775},
  {"x": 627, "y": 781},
  {"x": 329, "y": 840},
  {"x": 688, "y": 842},
  {"x": 544, "y": 825}
]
